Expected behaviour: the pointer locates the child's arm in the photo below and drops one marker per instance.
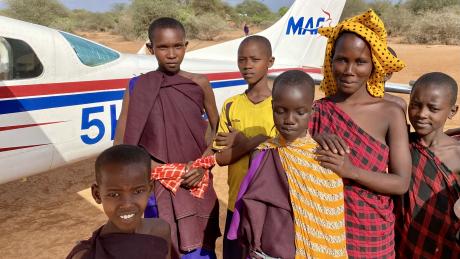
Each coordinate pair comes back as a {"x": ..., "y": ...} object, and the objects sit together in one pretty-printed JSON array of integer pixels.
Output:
[
  {"x": 194, "y": 176},
  {"x": 453, "y": 132},
  {"x": 244, "y": 146},
  {"x": 210, "y": 108},
  {"x": 397, "y": 181},
  {"x": 121, "y": 124}
]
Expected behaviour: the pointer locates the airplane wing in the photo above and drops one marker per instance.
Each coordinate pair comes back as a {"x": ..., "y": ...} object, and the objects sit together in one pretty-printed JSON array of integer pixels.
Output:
[{"x": 60, "y": 94}]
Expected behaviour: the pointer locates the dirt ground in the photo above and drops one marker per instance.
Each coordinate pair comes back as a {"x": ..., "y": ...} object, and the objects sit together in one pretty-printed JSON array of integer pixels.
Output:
[{"x": 44, "y": 215}]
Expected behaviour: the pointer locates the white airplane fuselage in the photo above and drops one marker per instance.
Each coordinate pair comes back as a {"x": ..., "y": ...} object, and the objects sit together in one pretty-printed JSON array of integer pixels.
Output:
[{"x": 68, "y": 110}]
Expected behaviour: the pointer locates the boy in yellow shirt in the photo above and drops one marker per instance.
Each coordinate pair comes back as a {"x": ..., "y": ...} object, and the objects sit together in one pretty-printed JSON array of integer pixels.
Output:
[{"x": 249, "y": 113}]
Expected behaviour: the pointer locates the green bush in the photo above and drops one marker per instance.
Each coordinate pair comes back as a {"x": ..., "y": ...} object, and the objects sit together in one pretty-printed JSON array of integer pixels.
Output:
[
  {"x": 283, "y": 10},
  {"x": 256, "y": 12},
  {"x": 63, "y": 24},
  {"x": 201, "y": 7},
  {"x": 44, "y": 12},
  {"x": 89, "y": 21},
  {"x": 418, "y": 6},
  {"x": 436, "y": 27},
  {"x": 143, "y": 12},
  {"x": 206, "y": 27},
  {"x": 397, "y": 20},
  {"x": 352, "y": 8}
]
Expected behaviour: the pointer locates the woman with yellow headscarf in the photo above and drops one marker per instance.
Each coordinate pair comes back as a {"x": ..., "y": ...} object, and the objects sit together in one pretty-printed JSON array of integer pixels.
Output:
[{"x": 355, "y": 114}]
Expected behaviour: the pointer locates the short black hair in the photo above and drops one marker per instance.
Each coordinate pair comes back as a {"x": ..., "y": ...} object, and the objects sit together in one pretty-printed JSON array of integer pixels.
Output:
[
  {"x": 293, "y": 78},
  {"x": 123, "y": 155},
  {"x": 165, "y": 23},
  {"x": 261, "y": 40},
  {"x": 438, "y": 79}
]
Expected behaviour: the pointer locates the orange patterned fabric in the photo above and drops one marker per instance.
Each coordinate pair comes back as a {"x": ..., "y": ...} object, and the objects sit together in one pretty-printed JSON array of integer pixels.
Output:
[
  {"x": 170, "y": 175},
  {"x": 371, "y": 29}
]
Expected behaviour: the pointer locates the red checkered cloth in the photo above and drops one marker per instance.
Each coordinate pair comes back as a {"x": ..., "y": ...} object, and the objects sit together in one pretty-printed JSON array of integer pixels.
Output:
[
  {"x": 426, "y": 223},
  {"x": 170, "y": 175},
  {"x": 369, "y": 216}
]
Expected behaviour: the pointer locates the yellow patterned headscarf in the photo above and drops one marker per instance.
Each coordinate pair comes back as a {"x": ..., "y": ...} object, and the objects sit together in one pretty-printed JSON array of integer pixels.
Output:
[{"x": 369, "y": 26}]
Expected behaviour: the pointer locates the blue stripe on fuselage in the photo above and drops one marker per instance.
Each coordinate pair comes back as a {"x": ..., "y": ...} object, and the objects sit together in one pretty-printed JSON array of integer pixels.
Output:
[
  {"x": 228, "y": 83},
  {"x": 48, "y": 102}
]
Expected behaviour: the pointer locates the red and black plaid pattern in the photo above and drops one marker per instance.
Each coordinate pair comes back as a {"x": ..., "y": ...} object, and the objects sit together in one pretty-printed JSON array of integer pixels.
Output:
[
  {"x": 369, "y": 216},
  {"x": 426, "y": 225},
  {"x": 169, "y": 175}
]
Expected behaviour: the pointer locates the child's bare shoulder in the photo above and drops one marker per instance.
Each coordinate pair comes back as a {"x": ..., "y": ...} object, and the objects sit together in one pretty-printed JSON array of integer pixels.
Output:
[
  {"x": 80, "y": 254},
  {"x": 199, "y": 79},
  {"x": 391, "y": 110}
]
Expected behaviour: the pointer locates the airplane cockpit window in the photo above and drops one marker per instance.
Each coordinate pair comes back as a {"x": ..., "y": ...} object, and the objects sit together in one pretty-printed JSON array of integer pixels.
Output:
[
  {"x": 89, "y": 53},
  {"x": 18, "y": 60}
]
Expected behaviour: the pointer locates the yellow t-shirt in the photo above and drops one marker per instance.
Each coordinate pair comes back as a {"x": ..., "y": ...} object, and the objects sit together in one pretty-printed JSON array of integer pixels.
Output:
[{"x": 251, "y": 119}]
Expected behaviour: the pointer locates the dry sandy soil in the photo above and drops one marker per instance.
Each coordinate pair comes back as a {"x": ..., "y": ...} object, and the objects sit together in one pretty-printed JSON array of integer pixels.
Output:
[{"x": 44, "y": 215}]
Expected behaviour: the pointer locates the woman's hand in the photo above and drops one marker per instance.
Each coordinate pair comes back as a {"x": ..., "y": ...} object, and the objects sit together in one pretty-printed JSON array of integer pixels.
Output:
[{"x": 332, "y": 143}]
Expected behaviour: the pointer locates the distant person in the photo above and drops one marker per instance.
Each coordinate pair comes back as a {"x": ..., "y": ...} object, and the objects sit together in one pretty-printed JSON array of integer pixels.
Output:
[
  {"x": 246, "y": 29},
  {"x": 354, "y": 117},
  {"x": 427, "y": 225},
  {"x": 250, "y": 114},
  {"x": 393, "y": 98},
  {"x": 165, "y": 111},
  {"x": 123, "y": 187},
  {"x": 288, "y": 205}
]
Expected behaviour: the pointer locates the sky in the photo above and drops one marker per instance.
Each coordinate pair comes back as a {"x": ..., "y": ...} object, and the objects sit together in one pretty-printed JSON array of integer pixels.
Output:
[{"x": 106, "y": 5}]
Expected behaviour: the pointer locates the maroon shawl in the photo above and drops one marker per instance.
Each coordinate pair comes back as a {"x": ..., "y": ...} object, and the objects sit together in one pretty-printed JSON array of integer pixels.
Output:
[
  {"x": 426, "y": 225},
  {"x": 165, "y": 117},
  {"x": 266, "y": 218},
  {"x": 119, "y": 245},
  {"x": 369, "y": 216}
]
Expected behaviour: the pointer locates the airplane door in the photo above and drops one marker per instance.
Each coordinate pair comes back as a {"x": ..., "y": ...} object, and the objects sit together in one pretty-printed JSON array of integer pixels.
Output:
[{"x": 24, "y": 145}]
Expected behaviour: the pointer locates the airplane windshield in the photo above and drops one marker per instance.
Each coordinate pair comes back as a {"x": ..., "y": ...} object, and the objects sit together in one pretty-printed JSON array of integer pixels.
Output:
[{"x": 89, "y": 53}]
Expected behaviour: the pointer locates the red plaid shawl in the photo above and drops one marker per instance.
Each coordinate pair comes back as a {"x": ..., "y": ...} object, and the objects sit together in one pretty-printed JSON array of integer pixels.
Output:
[
  {"x": 427, "y": 225},
  {"x": 369, "y": 216},
  {"x": 169, "y": 175}
]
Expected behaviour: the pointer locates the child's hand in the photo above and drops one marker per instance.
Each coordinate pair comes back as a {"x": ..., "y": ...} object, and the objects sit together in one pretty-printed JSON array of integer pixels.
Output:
[
  {"x": 332, "y": 142},
  {"x": 192, "y": 177},
  {"x": 340, "y": 164},
  {"x": 230, "y": 139},
  {"x": 457, "y": 208}
]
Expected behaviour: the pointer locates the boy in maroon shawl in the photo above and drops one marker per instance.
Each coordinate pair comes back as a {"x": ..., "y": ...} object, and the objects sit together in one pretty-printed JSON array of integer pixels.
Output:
[
  {"x": 427, "y": 226},
  {"x": 123, "y": 187},
  {"x": 164, "y": 112},
  {"x": 355, "y": 115}
]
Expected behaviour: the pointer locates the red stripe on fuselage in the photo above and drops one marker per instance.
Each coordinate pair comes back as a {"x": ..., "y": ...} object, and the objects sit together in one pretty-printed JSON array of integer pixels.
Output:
[
  {"x": 235, "y": 75},
  {"x": 27, "y": 125},
  {"x": 61, "y": 88},
  {"x": 15, "y": 91},
  {"x": 20, "y": 147}
]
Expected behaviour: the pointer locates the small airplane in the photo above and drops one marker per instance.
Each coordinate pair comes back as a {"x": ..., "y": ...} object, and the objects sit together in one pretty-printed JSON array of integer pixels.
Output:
[{"x": 60, "y": 94}]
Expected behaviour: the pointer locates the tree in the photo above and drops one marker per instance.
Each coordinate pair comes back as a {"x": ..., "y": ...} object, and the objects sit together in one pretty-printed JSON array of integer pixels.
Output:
[
  {"x": 43, "y": 12},
  {"x": 418, "y": 6},
  {"x": 283, "y": 10},
  {"x": 353, "y": 7},
  {"x": 256, "y": 11},
  {"x": 143, "y": 12},
  {"x": 201, "y": 7}
]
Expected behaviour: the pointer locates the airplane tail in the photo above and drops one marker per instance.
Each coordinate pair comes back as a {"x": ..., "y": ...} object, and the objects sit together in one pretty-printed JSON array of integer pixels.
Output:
[{"x": 294, "y": 38}]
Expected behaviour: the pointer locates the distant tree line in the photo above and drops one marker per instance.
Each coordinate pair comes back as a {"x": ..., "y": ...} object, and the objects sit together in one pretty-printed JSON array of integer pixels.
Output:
[
  {"x": 202, "y": 19},
  {"x": 412, "y": 21}
]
